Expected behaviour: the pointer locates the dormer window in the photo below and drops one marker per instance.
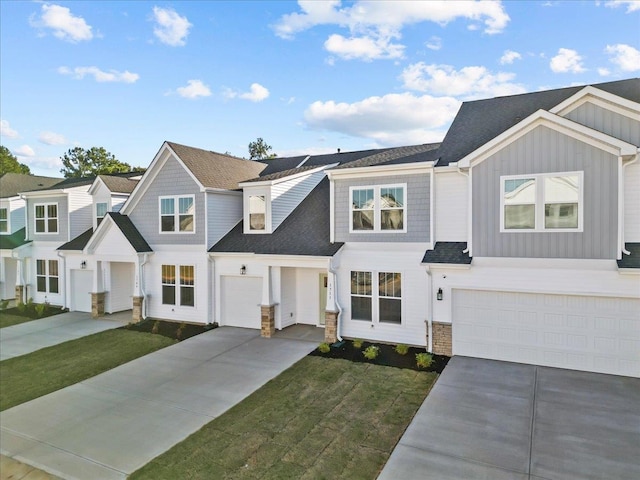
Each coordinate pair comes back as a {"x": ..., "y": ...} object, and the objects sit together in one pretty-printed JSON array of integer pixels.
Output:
[
  {"x": 177, "y": 214},
  {"x": 101, "y": 211},
  {"x": 257, "y": 212},
  {"x": 4, "y": 220},
  {"x": 46, "y": 217}
]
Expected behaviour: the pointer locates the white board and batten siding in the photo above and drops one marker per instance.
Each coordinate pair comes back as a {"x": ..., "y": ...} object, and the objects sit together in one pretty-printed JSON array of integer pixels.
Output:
[
  {"x": 632, "y": 203},
  {"x": 81, "y": 210},
  {"x": 121, "y": 290},
  {"x": 241, "y": 297},
  {"x": 451, "y": 207}
]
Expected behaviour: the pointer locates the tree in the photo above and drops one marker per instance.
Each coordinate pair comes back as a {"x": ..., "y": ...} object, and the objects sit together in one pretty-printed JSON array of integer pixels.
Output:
[
  {"x": 79, "y": 162},
  {"x": 259, "y": 150},
  {"x": 9, "y": 163}
]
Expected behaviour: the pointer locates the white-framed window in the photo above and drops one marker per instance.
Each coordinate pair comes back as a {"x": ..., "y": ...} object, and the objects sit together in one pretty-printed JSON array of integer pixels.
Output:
[
  {"x": 380, "y": 208},
  {"x": 4, "y": 220},
  {"x": 177, "y": 214},
  {"x": 257, "y": 212},
  {"x": 47, "y": 277},
  {"x": 101, "y": 211},
  {"x": 379, "y": 302},
  {"x": 180, "y": 290},
  {"x": 549, "y": 202},
  {"x": 46, "y": 217}
]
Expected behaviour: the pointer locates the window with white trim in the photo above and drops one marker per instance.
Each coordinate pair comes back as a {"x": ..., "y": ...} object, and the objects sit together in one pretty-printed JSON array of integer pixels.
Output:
[
  {"x": 550, "y": 202},
  {"x": 379, "y": 302},
  {"x": 257, "y": 212},
  {"x": 4, "y": 220},
  {"x": 378, "y": 208},
  {"x": 47, "y": 277},
  {"x": 46, "y": 217},
  {"x": 177, "y": 214},
  {"x": 101, "y": 211},
  {"x": 184, "y": 295},
  {"x": 390, "y": 297},
  {"x": 361, "y": 296}
]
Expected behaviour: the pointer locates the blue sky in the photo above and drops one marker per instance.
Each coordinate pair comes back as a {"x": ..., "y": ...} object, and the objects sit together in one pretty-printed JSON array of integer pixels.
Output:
[{"x": 308, "y": 77}]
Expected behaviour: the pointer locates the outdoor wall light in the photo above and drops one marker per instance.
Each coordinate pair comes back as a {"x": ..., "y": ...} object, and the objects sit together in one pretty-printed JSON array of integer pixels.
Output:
[
  {"x": 83, "y": 265},
  {"x": 243, "y": 270},
  {"x": 439, "y": 294}
]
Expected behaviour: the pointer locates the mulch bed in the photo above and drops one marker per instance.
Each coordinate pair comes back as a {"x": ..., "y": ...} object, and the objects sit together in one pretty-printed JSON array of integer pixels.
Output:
[
  {"x": 387, "y": 356},
  {"x": 29, "y": 311},
  {"x": 175, "y": 330}
]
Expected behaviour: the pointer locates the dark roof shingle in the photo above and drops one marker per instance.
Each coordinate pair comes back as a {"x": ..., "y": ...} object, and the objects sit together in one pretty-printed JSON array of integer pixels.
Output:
[
  {"x": 394, "y": 156},
  {"x": 16, "y": 239},
  {"x": 78, "y": 243},
  {"x": 633, "y": 259},
  {"x": 13, "y": 183},
  {"x": 448, "y": 252},
  {"x": 131, "y": 233}
]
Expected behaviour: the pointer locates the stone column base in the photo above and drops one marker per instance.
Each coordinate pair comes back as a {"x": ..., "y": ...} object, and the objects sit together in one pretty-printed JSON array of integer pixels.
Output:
[
  {"x": 268, "y": 322},
  {"x": 330, "y": 327},
  {"x": 97, "y": 304},
  {"x": 137, "y": 309},
  {"x": 19, "y": 294},
  {"x": 441, "y": 338}
]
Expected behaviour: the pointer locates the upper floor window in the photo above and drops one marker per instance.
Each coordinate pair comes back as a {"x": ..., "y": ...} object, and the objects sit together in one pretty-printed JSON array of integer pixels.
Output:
[
  {"x": 544, "y": 202},
  {"x": 4, "y": 220},
  {"x": 177, "y": 214},
  {"x": 257, "y": 212},
  {"x": 46, "y": 216},
  {"x": 101, "y": 211},
  {"x": 378, "y": 208}
]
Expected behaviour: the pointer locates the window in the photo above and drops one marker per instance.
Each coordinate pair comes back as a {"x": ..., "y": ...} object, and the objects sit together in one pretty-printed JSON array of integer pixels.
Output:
[
  {"x": 101, "y": 211},
  {"x": 46, "y": 216},
  {"x": 387, "y": 296},
  {"x": 378, "y": 209},
  {"x": 177, "y": 214},
  {"x": 47, "y": 276},
  {"x": 545, "y": 202},
  {"x": 4, "y": 220},
  {"x": 257, "y": 212},
  {"x": 185, "y": 294}
]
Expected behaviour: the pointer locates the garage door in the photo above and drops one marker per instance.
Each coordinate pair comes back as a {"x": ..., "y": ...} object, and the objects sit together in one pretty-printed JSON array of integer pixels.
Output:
[
  {"x": 122, "y": 278},
  {"x": 81, "y": 283},
  {"x": 240, "y": 301},
  {"x": 597, "y": 334}
]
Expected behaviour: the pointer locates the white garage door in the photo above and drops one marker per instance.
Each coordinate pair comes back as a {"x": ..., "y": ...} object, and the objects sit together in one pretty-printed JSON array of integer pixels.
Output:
[
  {"x": 122, "y": 278},
  {"x": 597, "y": 334},
  {"x": 81, "y": 283},
  {"x": 240, "y": 301}
]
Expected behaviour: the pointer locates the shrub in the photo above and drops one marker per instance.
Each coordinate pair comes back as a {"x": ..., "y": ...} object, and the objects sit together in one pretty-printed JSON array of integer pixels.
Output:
[
  {"x": 180, "y": 330},
  {"x": 324, "y": 347},
  {"x": 21, "y": 307},
  {"x": 357, "y": 343},
  {"x": 402, "y": 349},
  {"x": 424, "y": 359},
  {"x": 4, "y": 304},
  {"x": 371, "y": 352},
  {"x": 156, "y": 327},
  {"x": 41, "y": 308}
]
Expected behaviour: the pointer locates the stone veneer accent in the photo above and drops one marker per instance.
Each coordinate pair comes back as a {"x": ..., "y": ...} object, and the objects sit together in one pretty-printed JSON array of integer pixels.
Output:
[
  {"x": 441, "y": 338},
  {"x": 19, "y": 294},
  {"x": 330, "y": 326},
  {"x": 137, "y": 309},
  {"x": 268, "y": 323},
  {"x": 97, "y": 304}
]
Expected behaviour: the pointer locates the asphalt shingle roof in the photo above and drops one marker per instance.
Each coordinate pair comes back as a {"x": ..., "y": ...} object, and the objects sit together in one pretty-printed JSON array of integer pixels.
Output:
[
  {"x": 78, "y": 243},
  {"x": 130, "y": 232},
  {"x": 632, "y": 260},
  {"x": 118, "y": 184},
  {"x": 448, "y": 252},
  {"x": 283, "y": 173},
  {"x": 304, "y": 232},
  {"x": 13, "y": 183},
  {"x": 16, "y": 239}
]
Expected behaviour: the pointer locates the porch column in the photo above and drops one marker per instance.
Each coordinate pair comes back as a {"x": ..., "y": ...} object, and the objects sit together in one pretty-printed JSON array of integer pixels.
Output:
[
  {"x": 267, "y": 309},
  {"x": 138, "y": 297},
  {"x": 331, "y": 311},
  {"x": 97, "y": 292},
  {"x": 19, "y": 281}
]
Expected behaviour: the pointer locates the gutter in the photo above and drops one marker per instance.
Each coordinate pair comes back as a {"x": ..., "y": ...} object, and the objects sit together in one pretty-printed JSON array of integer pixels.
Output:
[
  {"x": 335, "y": 298},
  {"x": 469, "y": 213}
]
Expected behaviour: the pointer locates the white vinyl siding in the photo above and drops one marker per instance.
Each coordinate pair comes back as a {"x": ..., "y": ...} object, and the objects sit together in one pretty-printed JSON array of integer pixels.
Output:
[
  {"x": 632, "y": 203},
  {"x": 451, "y": 206}
]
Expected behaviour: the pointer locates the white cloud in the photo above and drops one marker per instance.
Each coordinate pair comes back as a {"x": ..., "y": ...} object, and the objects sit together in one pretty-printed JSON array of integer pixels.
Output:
[
  {"x": 363, "y": 48},
  {"x": 567, "y": 61},
  {"x": 171, "y": 29},
  {"x": 194, "y": 89},
  {"x": 509, "y": 57},
  {"x": 51, "y": 138},
  {"x": 624, "y": 56},
  {"x": 6, "y": 130},
  {"x": 392, "y": 119},
  {"x": 50, "y": 165},
  {"x": 256, "y": 93},
  {"x": 467, "y": 83},
  {"x": 99, "y": 75},
  {"x": 604, "y": 72},
  {"x": 24, "y": 151},
  {"x": 64, "y": 24},
  {"x": 632, "y": 5},
  {"x": 434, "y": 43}
]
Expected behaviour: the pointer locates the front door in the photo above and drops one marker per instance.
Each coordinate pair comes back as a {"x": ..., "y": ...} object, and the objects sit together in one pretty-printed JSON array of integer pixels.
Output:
[{"x": 323, "y": 297}]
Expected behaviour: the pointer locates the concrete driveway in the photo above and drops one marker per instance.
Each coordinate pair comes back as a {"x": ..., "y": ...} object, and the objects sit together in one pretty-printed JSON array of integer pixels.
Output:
[
  {"x": 496, "y": 420},
  {"x": 31, "y": 336},
  {"x": 112, "y": 424}
]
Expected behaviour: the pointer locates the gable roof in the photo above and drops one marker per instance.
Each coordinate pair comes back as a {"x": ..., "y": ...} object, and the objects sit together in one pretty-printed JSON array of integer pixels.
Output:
[
  {"x": 16, "y": 239},
  {"x": 479, "y": 121},
  {"x": 13, "y": 183},
  {"x": 117, "y": 184},
  {"x": 77, "y": 243},
  {"x": 304, "y": 232},
  {"x": 131, "y": 233}
]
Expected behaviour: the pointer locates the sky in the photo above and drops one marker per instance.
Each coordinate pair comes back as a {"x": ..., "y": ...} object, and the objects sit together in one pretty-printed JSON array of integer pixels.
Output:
[{"x": 308, "y": 77}]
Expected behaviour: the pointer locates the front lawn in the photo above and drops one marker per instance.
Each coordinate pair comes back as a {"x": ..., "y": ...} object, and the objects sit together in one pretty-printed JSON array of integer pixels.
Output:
[
  {"x": 26, "y": 312},
  {"x": 9, "y": 319},
  {"x": 321, "y": 418},
  {"x": 44, "y": 371}
]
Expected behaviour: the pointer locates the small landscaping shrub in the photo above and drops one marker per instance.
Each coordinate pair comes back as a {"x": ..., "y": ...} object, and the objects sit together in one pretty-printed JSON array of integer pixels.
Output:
[
  {"x": 156, "y": 327},
  {"x": 4, "y": 304},
  {"x": 357, "y": 343},
  {"x": 41, "y": 308},
  {"x": 324, "y": 347},
  {"x": 424, "y": 359},
  {"x": 22, "y": 308},
  {"x": 402, "y": 349},
  {"x": 180, "y": 330},
  {"x": 371, "y": 352}
]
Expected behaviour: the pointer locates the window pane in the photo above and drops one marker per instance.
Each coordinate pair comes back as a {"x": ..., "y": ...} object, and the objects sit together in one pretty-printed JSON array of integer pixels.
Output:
[
  {"x": 166, "y": 206},
  {"x": 4, "y": 226},
  {"x": 52, "y": 225},
  {"x": 52, "y": 211},
  {"x": 39, "y": 211},
  {"x": 41, "y": 267},
  {"x": 39, "y": 226},
  {"x": 520, "y": 216},
  {"x": 41, "y": 284},
  {"x": 361, "y": 283},
  {"x": 186, "y": 205},
  {"x": 392, "y": 219},
  {"x": 390, "y": 310},
  {"x": 168, "y": 295},
  {"x": 186, "y": 223},
  {"x": 257, "y": 210},
  {"x": 361, "y": 308},
  {"x": 187, "y": 297},
  {"x": 363, "y": 199},
  {"x": 256, "y": 221},
  {"x": 168, "y": 274},
  {"x": 53, "y": 284},
  {"x": 363, "y": 220},
  {"x": 389, "y": 284},
  {"x": 561, "y": 215},
  {"x": 561, "y": 189},
  {"x": 391, "y": 197},
  {"x": 101, "y": 209},
  {"x": 3, "y": 213},
  {"x": 167, "y": 224},
  {"x": 186, "y": 275},
  {"x": 520, "y": 190},
  {"x": 53, "y": 268}
]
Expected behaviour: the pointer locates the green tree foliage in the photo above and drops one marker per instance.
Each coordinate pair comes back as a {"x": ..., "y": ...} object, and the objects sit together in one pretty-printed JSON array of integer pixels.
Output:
[
  {"x": 259, "y": 150},
  {"x": 79, "y": 162},
  {"x": 9, "y": 163}
]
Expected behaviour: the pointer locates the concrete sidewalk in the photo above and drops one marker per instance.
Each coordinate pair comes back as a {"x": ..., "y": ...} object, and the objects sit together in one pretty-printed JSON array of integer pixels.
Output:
[
  {"x": 112, "y": 424},
  {"x": 31, "y": 336}
]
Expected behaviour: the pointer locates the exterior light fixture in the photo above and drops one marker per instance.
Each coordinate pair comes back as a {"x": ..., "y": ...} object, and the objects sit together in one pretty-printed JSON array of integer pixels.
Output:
[
  {"x": 83, "y": 265},
  {"x": 243, "y": 270},
  {"x": 439, "y": 294}
]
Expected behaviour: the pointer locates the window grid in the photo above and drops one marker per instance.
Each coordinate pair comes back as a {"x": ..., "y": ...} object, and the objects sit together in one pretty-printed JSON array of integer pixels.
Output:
[
  {"x": 180, "y": 220},
  {"x": 4, "y": 220},
  {"x": 46, "y": 218},
  {"x": 386, "y": 294},
  {"x": 47, "y": 276},
  {"x": 178, "y": 290},
  {"x": 101, "y": 211},
  {"x": 378, "y": 209},
  {"x": 168, "y": 284}
]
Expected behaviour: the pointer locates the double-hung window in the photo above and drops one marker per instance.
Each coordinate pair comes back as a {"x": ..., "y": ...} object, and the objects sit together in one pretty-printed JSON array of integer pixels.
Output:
[
  {"x": 180, "y": 290},
  {"x": 378, "y": 208},
  {"x": 379, "y": 302},
  {"x": 177, "y": 214},
  {"x": 361, "y": 296},
  {"x": 4, "y": 220},
  {"x": 46, "y": 216},
  {"x": 542, "y": 203},
  {"x": 101, "y": 211},
  {"x": 257, "y": 212},
  {"x": 47, "y": 276}
]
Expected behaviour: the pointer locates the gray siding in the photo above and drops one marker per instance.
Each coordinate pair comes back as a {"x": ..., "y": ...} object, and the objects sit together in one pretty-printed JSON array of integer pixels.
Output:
[
  {"x": 417, "y": 215},
  {"x": 607, "y": 122},
  {"x": 171, "y": 180},
  {"x": 223, "y": 212},
  {"x": 63, "y": 219},
  {"x": 545, "y": 151}
]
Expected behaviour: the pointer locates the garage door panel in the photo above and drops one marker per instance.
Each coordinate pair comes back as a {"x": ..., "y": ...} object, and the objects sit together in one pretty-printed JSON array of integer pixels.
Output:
[
  {"x": 81, "y": 282},
  {"x": 240, "y": 301}
]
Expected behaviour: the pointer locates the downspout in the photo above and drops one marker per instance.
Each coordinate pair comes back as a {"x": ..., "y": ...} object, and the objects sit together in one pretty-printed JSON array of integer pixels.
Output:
[
  {"x": 144, "y": 295},
  {"x": 625, "y": 165},
  {"x": 64, "y": 269},
  {"x": 212, "y": 282},
  {"x": 469, "y": 206},
  {"x": 335, "y": 298},
  {"x": 429, "y": 320}
]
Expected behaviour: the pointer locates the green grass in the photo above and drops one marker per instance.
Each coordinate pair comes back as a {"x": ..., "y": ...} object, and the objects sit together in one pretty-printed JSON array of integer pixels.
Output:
[
  {"x": 44, "y": 371},
  {"x": 8, "y": 319},
  {"x": 322, "y": 418}
]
